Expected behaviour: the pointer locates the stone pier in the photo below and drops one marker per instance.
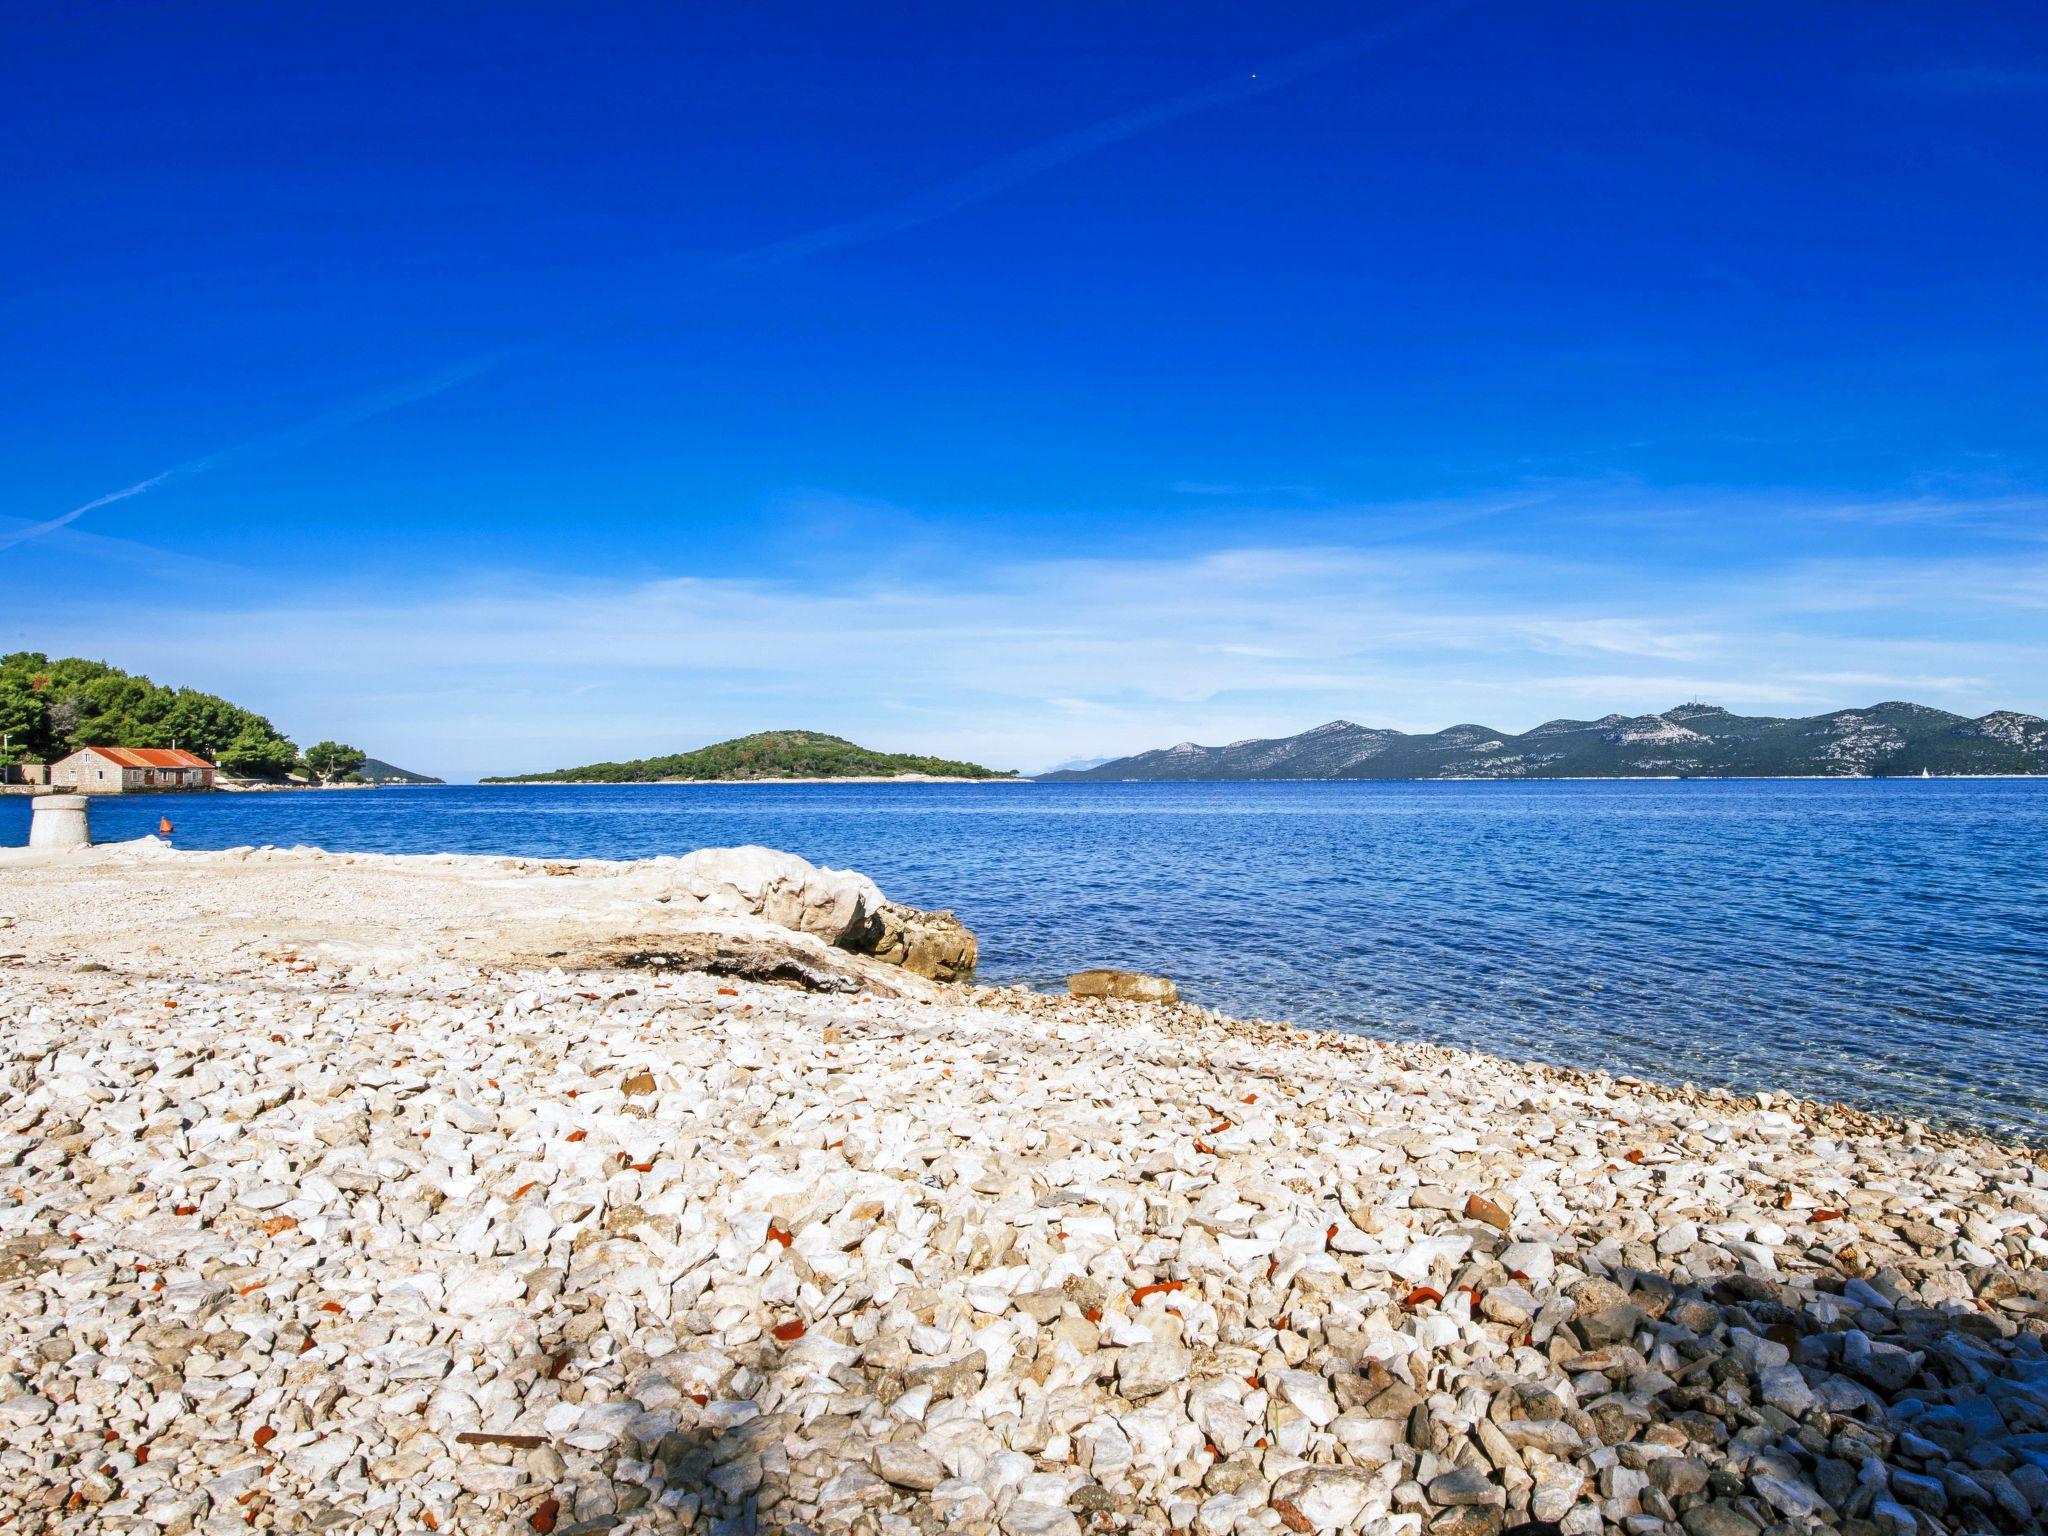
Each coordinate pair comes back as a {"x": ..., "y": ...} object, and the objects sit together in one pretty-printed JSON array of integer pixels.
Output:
[{"x": 59, "y": 821}]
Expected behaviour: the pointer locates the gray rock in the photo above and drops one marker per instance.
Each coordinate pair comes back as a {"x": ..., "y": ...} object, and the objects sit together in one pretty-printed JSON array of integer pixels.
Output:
[
  {"x": 908, "y": 1466},
  {"x": 1785, "y": 1389},
  {"x": 854, "y": 1487},
  {"x": 1042, "y": 1307},
  {"x": 1791, "y": 1497},
  {"x": 1146, "y": 1370},
  {"x": 953, "y": 1378},
  {"x": 2004, "y": 1493},
  {"x": 1468, "y": 1520},
  {"x": 1919, "y": 1491},
  {"x": 1396, "y": 1401},
  {"x": 1130, "y": 986},
  {"x": 1219, "y": 1514},
  {"x": 1614, "y": 1324},
  {"x": 934, "y": 944},
  {"x": 20, "y": 1412},
  {"x": 1718, "y": 1518},
  {"x": 1465, "y": 1485},
  {"x": 1511, "y": 1305},
  {"x": 1329, "y": 1498},
  {"x": 846, "y": 910},
  {"x": 2032, "y": 1482},
  {"x": 1309, "y": 1395},
  {"x": 1678, "y": 1477},
  {"x": 1552, "y": 1436}
]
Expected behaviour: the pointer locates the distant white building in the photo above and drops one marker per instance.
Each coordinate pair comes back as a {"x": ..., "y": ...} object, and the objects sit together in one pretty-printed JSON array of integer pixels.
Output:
[{"x": 131, "y": 770}]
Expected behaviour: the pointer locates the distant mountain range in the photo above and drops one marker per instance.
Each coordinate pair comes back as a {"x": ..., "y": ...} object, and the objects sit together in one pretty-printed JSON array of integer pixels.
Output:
[
  {"x": 1691, "y": 741},
  {"x": 764, "y": 755},
  {"x": 376, "y": 771},
  {"x": 1076, "y": 765}
]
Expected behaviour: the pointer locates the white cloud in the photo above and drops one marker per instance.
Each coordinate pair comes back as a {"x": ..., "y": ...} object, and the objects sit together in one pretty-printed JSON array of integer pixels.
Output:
[{"x": 1028, "y": 663}]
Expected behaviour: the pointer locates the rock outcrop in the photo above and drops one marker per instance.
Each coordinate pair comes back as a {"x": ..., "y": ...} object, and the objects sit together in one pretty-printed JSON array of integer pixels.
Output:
[
  {"x": 934, "y": 944},
  {"x": 844, "y": 909},
  {"x": 837, "y": 905},
  {"x": 795, "y": 960},
  {"x": 747, "y": 912}
]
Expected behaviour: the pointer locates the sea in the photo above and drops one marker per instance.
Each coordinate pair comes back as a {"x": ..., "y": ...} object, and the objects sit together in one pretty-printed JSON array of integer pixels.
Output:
[{"x": 1880, "y": 942}]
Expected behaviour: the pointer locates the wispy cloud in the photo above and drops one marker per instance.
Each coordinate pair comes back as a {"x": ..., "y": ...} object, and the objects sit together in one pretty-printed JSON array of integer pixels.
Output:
[
  {"x": 324, "y": 425},
  {"x": 1029, "y": 662},
  {"x": 922, "y": 207},
  {"x": 1892, "y": 682},
  {"x": 985, "y": 181},
  {"x": 82, "y": 545},
  {"x": 1233, "y": 491},
  {"x": 2017, "y": 515},
  {"x": 27, "y": 531},
  {"x": 1647, "y": 638},
  {"x": 1984, "y": 79}
]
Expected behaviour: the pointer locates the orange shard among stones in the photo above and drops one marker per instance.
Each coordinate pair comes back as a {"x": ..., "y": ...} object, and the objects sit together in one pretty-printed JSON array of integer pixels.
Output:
[{"x": 1480, "y": 1208}]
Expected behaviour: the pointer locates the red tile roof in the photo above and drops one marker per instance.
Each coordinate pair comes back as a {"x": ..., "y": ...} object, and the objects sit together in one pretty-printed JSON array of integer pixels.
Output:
[{"x": 151, "y": 757}]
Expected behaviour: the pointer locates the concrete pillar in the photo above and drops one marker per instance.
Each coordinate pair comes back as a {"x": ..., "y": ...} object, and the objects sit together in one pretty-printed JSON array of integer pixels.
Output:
[{"x": 59, "y": 822}]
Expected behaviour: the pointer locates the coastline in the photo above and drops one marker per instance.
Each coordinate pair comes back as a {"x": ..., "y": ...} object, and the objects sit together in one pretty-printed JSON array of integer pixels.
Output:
[
  {"x": 896, "y": 778},
  {"x": 531, "y": 1220},
  {"x": 1603, "y": 778},
  {"x": 1730, "y": 778}
]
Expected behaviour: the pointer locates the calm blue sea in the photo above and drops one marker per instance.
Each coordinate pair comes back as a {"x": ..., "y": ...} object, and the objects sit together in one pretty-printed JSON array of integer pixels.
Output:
[{"x": 1884, "y": 942}]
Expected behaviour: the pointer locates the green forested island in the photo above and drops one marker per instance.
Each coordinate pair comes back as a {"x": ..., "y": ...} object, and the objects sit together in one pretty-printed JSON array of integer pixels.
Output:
[{"x": 764, "y": 755}]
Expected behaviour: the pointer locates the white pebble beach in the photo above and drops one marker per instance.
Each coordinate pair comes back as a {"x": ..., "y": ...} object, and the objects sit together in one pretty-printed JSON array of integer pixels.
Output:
[{"x": 348, "y": 1193}]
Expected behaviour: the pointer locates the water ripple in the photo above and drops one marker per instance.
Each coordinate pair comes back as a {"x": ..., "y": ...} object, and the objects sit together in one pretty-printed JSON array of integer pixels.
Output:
[{"x": 1880, "y": 942}]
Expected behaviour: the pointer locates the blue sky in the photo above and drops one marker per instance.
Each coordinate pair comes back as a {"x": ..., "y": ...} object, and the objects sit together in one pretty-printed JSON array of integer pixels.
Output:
[{"x": 514, "y": 388}]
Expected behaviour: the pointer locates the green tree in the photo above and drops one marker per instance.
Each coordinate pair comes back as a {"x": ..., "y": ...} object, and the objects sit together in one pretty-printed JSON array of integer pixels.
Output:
[
  {"x": 71, "y": 703},
  {"x": 22, "y": 722},
  {"x": 257, "y": 753},
  {"x": 330, "y": 760}
]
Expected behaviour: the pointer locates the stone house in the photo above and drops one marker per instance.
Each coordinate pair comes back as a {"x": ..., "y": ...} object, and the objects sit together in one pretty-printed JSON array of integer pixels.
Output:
[{"x": 131, "y": 770}]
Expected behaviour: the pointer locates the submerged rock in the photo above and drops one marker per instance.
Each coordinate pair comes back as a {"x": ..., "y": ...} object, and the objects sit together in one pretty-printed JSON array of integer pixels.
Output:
[{"x": 1128, "y": 986}]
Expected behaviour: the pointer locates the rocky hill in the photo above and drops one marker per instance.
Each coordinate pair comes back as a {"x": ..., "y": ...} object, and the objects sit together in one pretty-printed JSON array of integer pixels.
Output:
[
  {"x": 1691, "y": 741},
  {"x": 376, "y": 771},
  {"x": 765, "y": 755}
]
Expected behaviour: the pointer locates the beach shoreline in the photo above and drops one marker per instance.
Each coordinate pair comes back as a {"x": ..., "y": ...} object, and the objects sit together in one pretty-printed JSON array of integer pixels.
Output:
[{"x": 453, "y": 1176}]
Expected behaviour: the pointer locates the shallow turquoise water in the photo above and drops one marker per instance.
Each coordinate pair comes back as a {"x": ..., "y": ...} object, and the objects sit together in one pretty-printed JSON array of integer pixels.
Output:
[{"x": 1884, "y": 942}]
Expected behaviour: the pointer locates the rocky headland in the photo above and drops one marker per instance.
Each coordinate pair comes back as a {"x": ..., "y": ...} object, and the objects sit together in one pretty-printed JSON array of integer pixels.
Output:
[{"x": 382, "y": 1194}]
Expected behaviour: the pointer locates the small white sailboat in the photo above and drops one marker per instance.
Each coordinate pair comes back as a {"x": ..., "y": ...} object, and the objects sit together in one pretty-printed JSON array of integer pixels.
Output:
[{"x": 1925, "y": 774}]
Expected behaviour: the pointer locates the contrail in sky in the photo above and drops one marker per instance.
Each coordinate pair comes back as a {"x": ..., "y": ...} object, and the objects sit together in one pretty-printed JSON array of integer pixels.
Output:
[
  {"x": 292, "y": 437},
  {"x": 933, "y": 202},
  {"x": 1000, "y": 175}
]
